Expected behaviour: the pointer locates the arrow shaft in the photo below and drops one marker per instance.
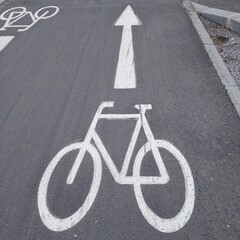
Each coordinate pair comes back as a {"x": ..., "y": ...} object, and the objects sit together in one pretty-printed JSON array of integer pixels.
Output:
[{"x": 125, "y": 74}]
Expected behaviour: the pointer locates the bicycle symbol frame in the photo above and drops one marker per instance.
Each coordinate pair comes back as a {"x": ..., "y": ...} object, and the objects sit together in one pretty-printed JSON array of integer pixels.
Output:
[
  {"x": 13, "y": 15},
  {"x": 161, "y": 224}
]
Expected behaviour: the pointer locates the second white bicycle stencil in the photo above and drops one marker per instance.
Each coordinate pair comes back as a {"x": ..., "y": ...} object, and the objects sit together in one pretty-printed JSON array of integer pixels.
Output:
[
  {"x": 13, "y": 17},
  {"x": 95, "y": 147}
]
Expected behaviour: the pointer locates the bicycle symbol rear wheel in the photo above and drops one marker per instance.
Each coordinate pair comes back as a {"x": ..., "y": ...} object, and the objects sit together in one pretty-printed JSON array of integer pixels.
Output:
[
  {"x": 19, "y": 11},
  {"x": 163, "y": 224},
  {"x": 50, "y": 220}
]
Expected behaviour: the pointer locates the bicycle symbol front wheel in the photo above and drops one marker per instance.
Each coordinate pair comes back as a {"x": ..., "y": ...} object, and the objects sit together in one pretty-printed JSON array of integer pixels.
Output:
[
  {"x": 46, "y": 12},
  {"x": 163, "y": 224},
  {"x": 50, "y": 220}
]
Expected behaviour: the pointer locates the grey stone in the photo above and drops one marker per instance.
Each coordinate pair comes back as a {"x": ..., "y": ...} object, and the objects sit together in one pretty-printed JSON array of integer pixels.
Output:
[
  {"x": 235, "y": 24},
  {"x": 227, "y": 19}
]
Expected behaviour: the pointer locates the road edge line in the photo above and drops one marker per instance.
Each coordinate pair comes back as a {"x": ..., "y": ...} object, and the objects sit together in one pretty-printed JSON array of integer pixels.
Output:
[{"x": 222, "y": 70}]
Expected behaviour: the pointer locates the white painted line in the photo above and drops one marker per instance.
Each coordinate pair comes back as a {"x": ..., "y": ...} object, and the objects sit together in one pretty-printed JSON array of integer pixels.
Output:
[
  {"x": 4, "y": 41},
  {"x": 222, "y": 70},
  {"x": 125, "y": 75}
]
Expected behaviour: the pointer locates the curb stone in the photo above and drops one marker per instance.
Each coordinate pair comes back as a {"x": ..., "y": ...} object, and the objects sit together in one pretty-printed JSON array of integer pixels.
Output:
[
  {"x": 230, "y": 20},
  {"x": 222, "y": 70}
]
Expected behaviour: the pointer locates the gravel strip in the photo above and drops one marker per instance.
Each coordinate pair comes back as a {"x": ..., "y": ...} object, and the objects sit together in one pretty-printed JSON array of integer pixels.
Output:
[{"x": 227, "y": 43}]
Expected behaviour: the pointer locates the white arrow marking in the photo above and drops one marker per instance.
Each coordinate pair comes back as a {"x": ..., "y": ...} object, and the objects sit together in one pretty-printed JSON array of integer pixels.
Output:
[
  {"x": 125, "y": 74},
  {"x": 4, "y": 41}
]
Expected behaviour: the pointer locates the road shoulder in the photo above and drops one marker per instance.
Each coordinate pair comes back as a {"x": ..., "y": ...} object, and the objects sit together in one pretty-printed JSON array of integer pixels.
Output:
[{"x": 222, "y": 70}]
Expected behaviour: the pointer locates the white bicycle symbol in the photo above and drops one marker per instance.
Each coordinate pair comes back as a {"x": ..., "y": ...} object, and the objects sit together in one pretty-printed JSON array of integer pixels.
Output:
[
  {"x": 161, "y": 224},
  {"x": 13, "y": 15}
]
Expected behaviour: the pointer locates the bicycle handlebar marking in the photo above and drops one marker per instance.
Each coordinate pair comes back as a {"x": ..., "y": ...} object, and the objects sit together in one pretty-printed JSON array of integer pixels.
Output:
[
  {"x": 161, "y": 224},
  {"x": 13, "y": 15}
]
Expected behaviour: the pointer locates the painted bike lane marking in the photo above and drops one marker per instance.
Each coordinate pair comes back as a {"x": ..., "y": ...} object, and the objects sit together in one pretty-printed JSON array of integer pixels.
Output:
[
  {"x": 100, "y": 154},
  {"x": 13, "y": 15},
  {"x": 125, "y": 75},
  {"x": 4, "y": 41}
]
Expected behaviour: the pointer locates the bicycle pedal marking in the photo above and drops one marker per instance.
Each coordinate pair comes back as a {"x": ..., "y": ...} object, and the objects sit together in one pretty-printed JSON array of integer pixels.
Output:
[
  {"x": 98, "y": 151},
  {"x": 13, "y": 15}
]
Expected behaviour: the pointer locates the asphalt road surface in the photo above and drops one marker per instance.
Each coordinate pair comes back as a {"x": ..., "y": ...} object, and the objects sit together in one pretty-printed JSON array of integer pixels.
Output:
[{"x": 54, "y": 77}]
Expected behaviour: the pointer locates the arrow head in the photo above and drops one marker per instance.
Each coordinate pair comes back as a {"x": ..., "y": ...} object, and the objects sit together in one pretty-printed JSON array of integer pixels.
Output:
[{"x": 128, "y": 17}]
